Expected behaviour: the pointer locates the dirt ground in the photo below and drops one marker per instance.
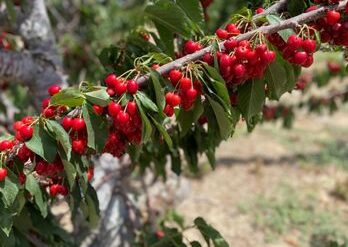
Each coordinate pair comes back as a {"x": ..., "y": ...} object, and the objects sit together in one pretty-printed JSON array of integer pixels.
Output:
[{"x": 276, "y": 187}]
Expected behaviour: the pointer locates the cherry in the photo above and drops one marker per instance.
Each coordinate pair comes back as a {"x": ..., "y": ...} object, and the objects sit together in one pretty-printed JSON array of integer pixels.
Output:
[
  {"x": 111, "y": 80},
  {"x": 122, "y": 117},
  {"x": 79, "y": 146},
  {"x": 224, "y": 61},
  {"x": 191, "y": 94},
  {"x": 208, "y": 58},
  {"x": 176, "y": 100},
  {"x": 241, "y": 52},
  {"x": 268, "y": 56},
  {"x": 221, "y": 33},
  {"x": 49, "y": 112},
  {"x": 45, "y": 103},
  {"x": 334, "y": 67},
  {"x": 3, "y": 174},
  {"x": 111, "y": 92},
  {"x": 120, "y": 88},
  {"x": 259, "y": 10},
  {"x": 132, "y": 87},
  {"x": 131, "y": 108},
  {"x": 54, "y": 190},
  {"x": 191, "y": 47},
  {"x": 90, "y": 173},
  {"x": 294, "y": 42},
  {"x": 261, "y": 49},
  {"x": 308, "y": 62},
  {"x": 309, "y": 45},
  {"x": 239, "y": 70},
  {"x": 114, "y": 109},
  {"x": 26, "y": 132},
  {"x": 232, "y": 29},
  {"x": 231, "y": 44},
  {"x": 98, "y": 109},
  {"x": 22, "y": 178},
  {"x": 54, "y": 89},
  {"x": 6, "y": 145},
  {"x": 300, "y": 57},
  {"x": 332, "y": 17},
  {"x": 78, "y": 124},
  {"x": 185, "y": 84},
  {"x": 174, "y": 76},
  {"x": 17, "y": 125},
  {"x": 67, "y": 123},
  {"x": 27, "y": 120},
  {"x": 168, "y": 110},
  {"x": 41, "y": 167}
]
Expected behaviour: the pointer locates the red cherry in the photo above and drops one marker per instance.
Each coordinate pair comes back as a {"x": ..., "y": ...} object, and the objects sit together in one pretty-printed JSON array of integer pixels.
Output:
[
  {"x": 259, "y": 10},
  {"x": 17, "y": 125},
  {"x": 191, "y": 47},
  {"x": 268, "y": 56},
  {"x": 332, "y": 17},
  {"x": 67, "y": 123},
  {"x": 208, "y": 58},
  {"x": 174, "y": 76},
  {"x": 132, "y": 87},
  {"x": 3, "y": 174},
  {"x": 122, "y": 117},
  {"x": 300, "y": 57},
  {"x": 54, "y": 89},
  {"x": 185, "y": 84},
  {"x": 111, "y": 80},
  {"x": 176, "y": 100},
  {"x": 6, "y": 145},
  {"x": 221, "y": 33},
  {"x": 79, "y": 146},
  {"x": 90, "y": 173},
  {"x": 26, "y": 132},
  {"x": 224, "y": 61},
  {"x": 260, "y": 49},
  {"x": 111, "y": 92},
  {"x": 191, "y": 94},
  {"x": 114, "y": 109},
  {"x": 45, "y": 103},
  {"x": 41, "y": 167},
  {"x": 232, "y": 29},
  {"x": 169, "y": 97},
  {"x": 239, "y": 70},
  {"x": 131, "y": 108},
  {"x": 78, "y": 124},
  {"x": 49, "y": 112},
  {"x": 27, "y": 120},
  {"x": 309, "y": 45},
  {"x": 54, "y": 190},
  {"x": 168, "y": 110},
  {"x": 294, "y": 42},
  {"x": 334, "y": 67},
  {"x": 120, "y": 88},
  {"x": 22, "y": 178},
  {"x": 98, "y": 109},
  {"x": 231, "y": 44},
  {"x": 309, "y": 61},
  {"x": 241, "y": 52}
]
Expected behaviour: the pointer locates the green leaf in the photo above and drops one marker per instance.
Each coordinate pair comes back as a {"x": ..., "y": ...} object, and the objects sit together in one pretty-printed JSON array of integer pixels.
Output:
[
  {"x": 6, "y": 220},
  {"x": 296, "y": 7},
  {"x": 251, "y": 98},
  {"x": 209, "y": 233},
  {"x": 194, "y": 11},
  {"x": 93, "y": 206},
  {"x": 147, "y": 128},
  {"x": 222, "y": 116},
  {"x": 166, "y": 39},
  {"x": 9, "y": 189},
  {"x": 42, "y": 144},
  {"x": 98, "y": 97},
  {"x": 146, "y": 101},
  {"x": 32, "y": 185},
  {"x": 164, "y": 132},
  {"x": 61, "y": 136},
  {"x": 70, "y": 172},
  {"x": 218, "y": 83},
  {"x": 276, "y": 80},
  {"x": 170, "y": 16},
  {"x": 187, "y": 118},
  {"x": 11, "y": 10},
  {"x": 159, "y": 90},
  {"x": 286, "y": 33},
  {"x": 96, "y": 126},
  {"x": 71, "y": 97}
]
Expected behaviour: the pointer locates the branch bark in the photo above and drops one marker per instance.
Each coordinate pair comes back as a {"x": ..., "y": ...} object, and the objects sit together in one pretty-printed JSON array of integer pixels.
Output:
[{"x": 289, "y": 23}]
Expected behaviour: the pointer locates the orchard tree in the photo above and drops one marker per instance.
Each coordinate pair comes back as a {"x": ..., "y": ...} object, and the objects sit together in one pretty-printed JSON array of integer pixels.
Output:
[{"x": 169, "y": 92}]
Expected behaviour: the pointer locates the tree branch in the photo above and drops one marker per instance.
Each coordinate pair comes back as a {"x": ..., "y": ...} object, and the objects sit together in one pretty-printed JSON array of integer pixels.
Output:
[
  {"x": 289, "y": 23},
  {"x": 275, "y": 8}
]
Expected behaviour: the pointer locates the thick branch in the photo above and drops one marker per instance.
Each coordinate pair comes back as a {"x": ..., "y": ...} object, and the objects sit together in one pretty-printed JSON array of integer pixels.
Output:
[{"x": 289, "y": 23}]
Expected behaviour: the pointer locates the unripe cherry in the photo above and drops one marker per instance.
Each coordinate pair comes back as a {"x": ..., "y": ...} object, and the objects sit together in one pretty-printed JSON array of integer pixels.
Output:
[
  {"x": 26, "y": 132},
  {"x": 54, "y": 89},
  {"x": 114, "y": 109},
  {"x": 132, "y": 87},
  {"x": 78, "y": 124}
]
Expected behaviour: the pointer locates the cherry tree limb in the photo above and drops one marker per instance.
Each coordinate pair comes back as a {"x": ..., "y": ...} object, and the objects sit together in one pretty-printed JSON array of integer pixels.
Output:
[
  {"x": 269, "y": 29},
  {"x": 275, "y": 8}
]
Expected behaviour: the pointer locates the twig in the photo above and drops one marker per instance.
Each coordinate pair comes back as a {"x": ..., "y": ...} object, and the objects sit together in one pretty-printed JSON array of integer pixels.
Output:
[{"x": 289, "y": 23}]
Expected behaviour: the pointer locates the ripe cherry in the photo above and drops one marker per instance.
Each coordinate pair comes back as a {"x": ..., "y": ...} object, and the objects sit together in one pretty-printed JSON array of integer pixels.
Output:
[
  {"x": 294, "y": 42},
  {"x": 41, "y": 167},
  {"x": 111, "y": 80},
  {"x": 67, "y": 123},
  {"x": 45, "y": 103},
  {"x": 131, "y": 108},
  {"x": 114, "y": 109},
  {"x": 54, "y": 190},
  {"x": 79, "y": 146},
  {"x": 168, "y": 110},
  {"x": 191, "y": 47},
  {"x": 176, "y": 100},
  {"x": 300, "y": 57},
  {"x": 27, "y": 120},
  {"x": 17, "y": 125},
  {"x": 6, "y": 145},
  {"x": 208, "y": 58},
  {"x": 54, "y": 89},
  {"x": 268, "y": 56},
  {"x": 232, "y": 29},
  {"x": 26, "y": 132},
  {"x": 49, "y": 112},
  {"x": 174, "y": 76},
  {"x": 191, "y": 94},
  {"x": 221, "y": 33},
  {"x": 3, "y": 174},
  {"x": 78, "y": 124},
  {"x": 239, "y": 70},
  {"x": 332, "y": 17},
  {"x": 122, "y": 117},
  {"x": 309, "y": 45},
  {"x": 259, "y": 10},
  {"x": 231, "y": 44},
  {"x": 185, "y": 84},
  {"x": 90, "y": 173},
  {"x": 98, "y": 109},
  {"x": 132, "y": 87},
  {"x": 120, "y": 88}
]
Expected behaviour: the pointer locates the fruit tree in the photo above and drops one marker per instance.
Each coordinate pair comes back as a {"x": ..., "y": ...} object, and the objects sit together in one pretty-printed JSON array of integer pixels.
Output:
[{"x": 168, "y": 92}]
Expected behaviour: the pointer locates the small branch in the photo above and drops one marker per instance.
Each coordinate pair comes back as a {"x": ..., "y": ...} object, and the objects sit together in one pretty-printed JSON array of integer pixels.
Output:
[
  {"x": 275, "y": 8},
  {"x": 289, "y": 23}
]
